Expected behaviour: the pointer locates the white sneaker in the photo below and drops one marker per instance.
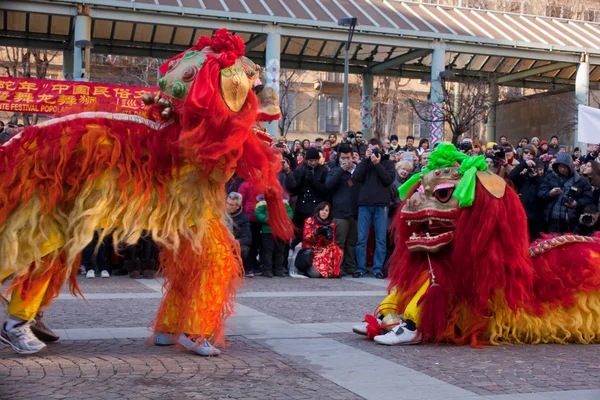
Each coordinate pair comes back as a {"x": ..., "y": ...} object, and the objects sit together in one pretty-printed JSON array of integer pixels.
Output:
[
  {"x": 204, "y": 349},
  {"x": 21, "y": 339},
  {"x": 90, "y": 274},
  {"x": 399, "y": 335},
  {"x": 360, "y": 329},
  {"x": 82, "y": 269},
  {"x": 104, "y": 274}
]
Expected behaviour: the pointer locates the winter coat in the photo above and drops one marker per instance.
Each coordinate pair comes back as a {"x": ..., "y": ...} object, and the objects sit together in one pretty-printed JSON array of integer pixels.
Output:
[
  {"x": 248, "y": 200},
  {"x": 310, "y": 189},
  {"x": 528, "y": 188},
  {"x": 344, "y": 193},
  {"x": 327, "y": 256},
  {"x": 241, "y": 228},
  {"x": 555, "y": 208},
  {"x": 262, "y": 215},
  {"x": 376, "y": 181}
]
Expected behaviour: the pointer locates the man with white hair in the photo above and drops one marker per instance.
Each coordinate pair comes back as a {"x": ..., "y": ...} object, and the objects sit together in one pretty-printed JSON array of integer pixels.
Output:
[{"x": 240, "y": 222}]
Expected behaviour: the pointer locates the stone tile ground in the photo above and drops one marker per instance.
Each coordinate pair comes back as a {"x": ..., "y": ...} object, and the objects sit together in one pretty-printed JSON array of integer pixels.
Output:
[
  {"x": 496, "y": 369},
  {"x": 130, "y": 369}
]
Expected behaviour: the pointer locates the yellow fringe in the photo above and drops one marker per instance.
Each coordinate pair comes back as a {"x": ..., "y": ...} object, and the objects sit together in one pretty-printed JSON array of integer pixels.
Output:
[{"x": 579, "y": 323}]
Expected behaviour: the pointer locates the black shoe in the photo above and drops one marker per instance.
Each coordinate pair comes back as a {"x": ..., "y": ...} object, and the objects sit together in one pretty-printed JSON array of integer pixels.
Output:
[
  {"x": 357, "y": 275},
  {"x": 379, "y": 275},
  {"x": 279, "y": 274},
  {"x": 267, "y": 274},
  {"x": 42, "y": 331}
]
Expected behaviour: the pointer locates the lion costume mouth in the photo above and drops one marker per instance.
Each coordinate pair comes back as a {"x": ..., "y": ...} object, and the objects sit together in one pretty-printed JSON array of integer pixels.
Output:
[{"x": 430, "y": 229}]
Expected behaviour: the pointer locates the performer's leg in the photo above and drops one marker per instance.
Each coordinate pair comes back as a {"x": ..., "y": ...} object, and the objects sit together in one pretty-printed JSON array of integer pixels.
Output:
[
  {"x": 25, "y": 302},
  {"x": 407, "y": 332},
  {"x": 387, "y": 307},
  {"x": 200, "y": 290}
]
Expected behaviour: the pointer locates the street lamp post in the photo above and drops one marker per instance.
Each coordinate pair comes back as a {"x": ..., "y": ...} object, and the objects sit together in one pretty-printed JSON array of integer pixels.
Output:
[{"x": 351, "y": 24}]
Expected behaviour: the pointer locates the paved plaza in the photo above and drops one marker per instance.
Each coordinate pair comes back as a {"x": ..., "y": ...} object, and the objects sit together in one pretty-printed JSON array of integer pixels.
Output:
[{"x": 290, "y": 339}]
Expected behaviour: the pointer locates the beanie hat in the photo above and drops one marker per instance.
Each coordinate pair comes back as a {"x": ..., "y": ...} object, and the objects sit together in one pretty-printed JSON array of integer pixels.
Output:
[
  {"x": 393, "y": 137},
  {"x": 312, "y": 154},
  {"x": 538, "y": 163},
  {"x": 489, "y": 145},
  {"x": 543, "y": 142}
]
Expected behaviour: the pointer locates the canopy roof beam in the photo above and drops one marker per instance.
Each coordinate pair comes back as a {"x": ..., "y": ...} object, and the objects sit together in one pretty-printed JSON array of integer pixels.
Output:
[
  {"x": 532, "y": 72},
  {"x": 402, "y": 59}
]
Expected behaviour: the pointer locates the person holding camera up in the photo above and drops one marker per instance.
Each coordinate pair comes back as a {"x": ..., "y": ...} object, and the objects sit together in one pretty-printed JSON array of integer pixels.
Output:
[
  {"x": 310, "y": 189},
  {"x": 376, "y": 173},
  {"x": 589, "y": 222},
  {"x": 344, "y": 197},
  {"x": 319, "y": 236},
  {"x": 528, "y": 177},
  {"x": 565, "y": 192}
]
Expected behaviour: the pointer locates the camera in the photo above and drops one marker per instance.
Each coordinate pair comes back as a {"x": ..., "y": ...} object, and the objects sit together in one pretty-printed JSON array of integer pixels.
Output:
[
  {"x": 531, "y": 171},
  {"x": 376, "y": 152},
  {"x": 587, "y": 219},
  {"x": 465, "y": 147},
  {"x": 500, "y": 154},
  {"x": 572, "y": 194},
  {"x": 350, "y": 134}
]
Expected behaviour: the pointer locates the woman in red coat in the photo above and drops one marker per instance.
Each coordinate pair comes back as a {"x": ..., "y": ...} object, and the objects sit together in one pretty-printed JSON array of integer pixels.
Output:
[{"x": 319, "y": 235}]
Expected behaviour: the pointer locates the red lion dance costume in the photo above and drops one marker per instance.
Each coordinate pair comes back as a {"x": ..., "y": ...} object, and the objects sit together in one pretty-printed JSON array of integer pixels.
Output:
[
  {"x": 65, "y": 178},
  {"x": 463, "y": 272}
]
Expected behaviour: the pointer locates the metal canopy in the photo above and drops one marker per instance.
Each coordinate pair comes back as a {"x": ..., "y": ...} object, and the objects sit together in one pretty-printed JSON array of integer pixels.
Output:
[{"x": 392, "y": 38}]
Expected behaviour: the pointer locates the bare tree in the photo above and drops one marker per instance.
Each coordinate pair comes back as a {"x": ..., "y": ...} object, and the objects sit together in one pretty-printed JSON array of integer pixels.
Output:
[
  {"x": 461, "y": 111},
  {"x": 26, "y": 63},
  {"x": 124, "y": 70},
  {"x": 291, "y": 85}
]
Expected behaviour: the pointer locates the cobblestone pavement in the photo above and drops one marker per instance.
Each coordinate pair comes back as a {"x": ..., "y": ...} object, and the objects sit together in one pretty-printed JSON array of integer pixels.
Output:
[
  {"x": 130, "y": 369},
  {"x": 280, "y": 313}
]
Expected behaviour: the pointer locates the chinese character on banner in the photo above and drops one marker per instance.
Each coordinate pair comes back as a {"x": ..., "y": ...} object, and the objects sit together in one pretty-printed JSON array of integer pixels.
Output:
[
  {"x": 67, "y": 100},
  {"x": 80, "y": 89},
  {"x": 8, "y": 85},
  {"x": 138, "y": 94},
  {"x": 132, "y": 104},
  {"x": 87, "y": 100},
  {"x": 21, "y": 97},
  {"x": 59, "y": 87},
  {"x": 28, "y": 86},
  {"x": 46, "y": 98},
  {"x": 122, "y": 93},
  {"x": 4, "y": 96},
  {"x": 101, "y": 90}
]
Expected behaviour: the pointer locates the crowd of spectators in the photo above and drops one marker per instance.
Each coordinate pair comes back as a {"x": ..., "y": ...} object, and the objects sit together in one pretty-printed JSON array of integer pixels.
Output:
[{"x": 342, "y": 195}]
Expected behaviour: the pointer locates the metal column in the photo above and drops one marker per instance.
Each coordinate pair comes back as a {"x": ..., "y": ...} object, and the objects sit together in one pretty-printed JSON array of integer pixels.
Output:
[
  {"x": 438, "y": 65},
  {"x": 81, "y": 52},
  {"x": 366, "y": 109},
  {"x": 67, "y": 72},
  {"x": 491, "y": 117},
  {"x": 272, "y": 63},
  {"x": 582, "y": 90}
]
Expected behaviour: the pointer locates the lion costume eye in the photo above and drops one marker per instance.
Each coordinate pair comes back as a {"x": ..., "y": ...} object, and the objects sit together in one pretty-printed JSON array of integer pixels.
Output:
[{"x": 443, "y": 193}]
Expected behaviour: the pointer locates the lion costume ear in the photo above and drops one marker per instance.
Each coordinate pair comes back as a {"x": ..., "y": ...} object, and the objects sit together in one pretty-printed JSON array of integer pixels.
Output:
[
  {"x": 492, "y": 183},
  {"x": 235, "y": 86}
]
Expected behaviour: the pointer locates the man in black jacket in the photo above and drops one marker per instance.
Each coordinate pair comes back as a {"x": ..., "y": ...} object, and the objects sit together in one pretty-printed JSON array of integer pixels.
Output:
[
  {"x": 344, "y": 193},
  {"x": 564, "y": 191},
  {"x": 240, "y": 222},
  {"x": 310, "y": 189},
  {"x": 376, "y": 174},
  {"x": 527, "y": 177}
]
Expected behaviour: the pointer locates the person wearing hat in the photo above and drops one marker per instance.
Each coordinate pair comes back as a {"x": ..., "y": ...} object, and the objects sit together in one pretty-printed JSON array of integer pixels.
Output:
[
  {"x": 564, "y": 192},
  {"x": 527, "y": 178},
  {"x": 319, "y": 143},
  {"x": 310, "y": 189},
  {"x": 394, "y": 145}
]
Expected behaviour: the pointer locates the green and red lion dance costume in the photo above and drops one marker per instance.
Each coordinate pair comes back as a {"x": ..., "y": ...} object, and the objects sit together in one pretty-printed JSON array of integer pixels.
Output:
[
  {"x": 463, "y": 271},
  {"x": 64, "y": 179}
]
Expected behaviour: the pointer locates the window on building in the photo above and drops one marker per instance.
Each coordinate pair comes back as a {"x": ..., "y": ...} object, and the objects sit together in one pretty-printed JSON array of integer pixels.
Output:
[
  {"x": 288, "y": 111},
  {"x": 420, "y": 127},
  {"x": 558, "y": 11},
  {"x": 592, "y": 15},
  {"x": 516, "y": 6},
  {"x": 334, "y": 77},
  {"x": 330, "y": 114}
]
